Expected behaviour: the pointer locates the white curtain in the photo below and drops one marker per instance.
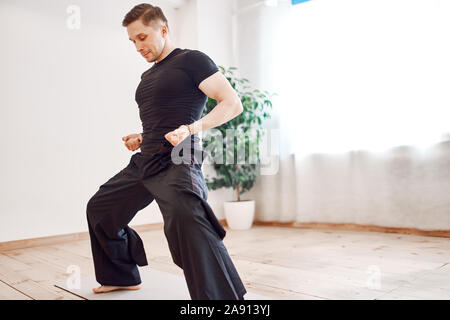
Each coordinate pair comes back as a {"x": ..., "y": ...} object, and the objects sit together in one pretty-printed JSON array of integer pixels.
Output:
[{"x": 363, "y": 109}]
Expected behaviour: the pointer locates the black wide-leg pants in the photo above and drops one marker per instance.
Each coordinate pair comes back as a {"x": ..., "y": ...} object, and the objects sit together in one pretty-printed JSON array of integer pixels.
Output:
[{"x": 193, "y": 233}]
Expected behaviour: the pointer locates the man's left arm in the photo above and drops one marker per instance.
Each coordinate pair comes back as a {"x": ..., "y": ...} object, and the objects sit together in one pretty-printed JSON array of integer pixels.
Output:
[{"x": 229, "y": 106}]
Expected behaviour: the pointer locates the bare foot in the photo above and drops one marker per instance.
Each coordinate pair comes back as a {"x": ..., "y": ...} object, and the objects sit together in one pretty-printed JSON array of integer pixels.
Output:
[{"x": 103, "y": 289}]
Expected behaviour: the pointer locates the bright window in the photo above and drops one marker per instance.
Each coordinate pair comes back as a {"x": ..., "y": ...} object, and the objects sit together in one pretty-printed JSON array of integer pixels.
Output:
[{"x": 363, "y": 75}]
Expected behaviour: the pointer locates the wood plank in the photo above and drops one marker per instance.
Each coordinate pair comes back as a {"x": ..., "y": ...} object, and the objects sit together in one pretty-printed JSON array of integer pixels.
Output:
[
  {"x": 286, "y": 263},
  {"x": 9, "y": 293},
  {"x": 81, "y": 248},
  {"x": 303, "y": 282},
  {"x": 32, "y": 278}
]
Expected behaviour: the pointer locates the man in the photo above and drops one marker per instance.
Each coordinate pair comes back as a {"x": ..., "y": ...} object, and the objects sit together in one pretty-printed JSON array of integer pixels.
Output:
[{"x": 170, "y": 97}]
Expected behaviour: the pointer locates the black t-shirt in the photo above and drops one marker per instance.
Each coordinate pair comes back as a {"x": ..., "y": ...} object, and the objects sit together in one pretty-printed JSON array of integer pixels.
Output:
[{"x": 168, "y": 95}]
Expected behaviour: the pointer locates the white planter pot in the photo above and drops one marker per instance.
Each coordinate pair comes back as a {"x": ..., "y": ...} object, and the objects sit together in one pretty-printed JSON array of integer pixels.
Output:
[{"x": 239, "y": 214}]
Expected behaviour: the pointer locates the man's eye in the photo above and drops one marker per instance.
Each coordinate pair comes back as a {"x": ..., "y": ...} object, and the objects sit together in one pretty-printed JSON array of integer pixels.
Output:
[{"x": 142, "y": 39}]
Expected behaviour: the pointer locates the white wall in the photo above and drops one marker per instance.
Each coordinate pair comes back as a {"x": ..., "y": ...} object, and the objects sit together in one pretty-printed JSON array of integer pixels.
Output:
[
  {"x": 186, "y": 17},
  {"x": 214, "y": 30}
]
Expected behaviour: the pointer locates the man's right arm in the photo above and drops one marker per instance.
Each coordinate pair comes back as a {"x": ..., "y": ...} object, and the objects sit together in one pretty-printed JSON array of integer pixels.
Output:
[{"x": 133, "y": 141}]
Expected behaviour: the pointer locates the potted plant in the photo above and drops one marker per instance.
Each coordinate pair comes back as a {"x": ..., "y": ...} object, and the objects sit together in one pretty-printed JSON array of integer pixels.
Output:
[{"x": 230, "y": 140}]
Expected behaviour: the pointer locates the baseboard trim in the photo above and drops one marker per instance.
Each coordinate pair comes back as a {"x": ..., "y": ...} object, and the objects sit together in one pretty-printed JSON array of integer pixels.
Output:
[
  {"x": 42, "y": 241},
  {"x": 356, "y": 227}
]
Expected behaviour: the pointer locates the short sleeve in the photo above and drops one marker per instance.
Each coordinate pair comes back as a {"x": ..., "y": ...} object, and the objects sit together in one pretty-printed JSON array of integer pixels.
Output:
[{"x": 200, "y": 66}]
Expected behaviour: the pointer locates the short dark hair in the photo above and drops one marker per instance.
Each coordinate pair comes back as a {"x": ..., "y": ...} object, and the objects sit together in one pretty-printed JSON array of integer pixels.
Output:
[{"x": 147, "y": 13}]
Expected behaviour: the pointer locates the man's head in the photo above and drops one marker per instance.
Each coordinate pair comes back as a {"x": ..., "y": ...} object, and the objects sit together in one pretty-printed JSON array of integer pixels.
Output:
[{"x": 148, "y": 29}]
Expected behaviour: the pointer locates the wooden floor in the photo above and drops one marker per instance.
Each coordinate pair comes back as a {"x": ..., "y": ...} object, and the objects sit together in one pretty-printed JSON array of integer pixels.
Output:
[{"x": 284, "y": 263}]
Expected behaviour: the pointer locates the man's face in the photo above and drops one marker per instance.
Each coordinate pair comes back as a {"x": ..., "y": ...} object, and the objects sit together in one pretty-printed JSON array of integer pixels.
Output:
[{"x": 149, "y": 40}]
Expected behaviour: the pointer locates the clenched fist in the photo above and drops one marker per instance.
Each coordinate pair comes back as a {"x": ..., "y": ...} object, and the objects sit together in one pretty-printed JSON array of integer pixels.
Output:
[
  {"x": 177, "y": 135},
  {"x": 133, "y": 141}
]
